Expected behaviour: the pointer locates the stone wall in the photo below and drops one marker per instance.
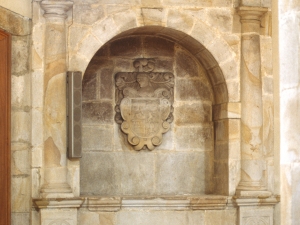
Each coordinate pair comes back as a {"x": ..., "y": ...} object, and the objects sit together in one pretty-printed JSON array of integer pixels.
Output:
[
  {"x": 20, "y": 29},
  {"x": 183, "y": 163}
]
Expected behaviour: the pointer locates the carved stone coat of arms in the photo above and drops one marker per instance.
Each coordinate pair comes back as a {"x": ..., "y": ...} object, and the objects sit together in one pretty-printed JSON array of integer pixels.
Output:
[{"x": 144, "y": 102}]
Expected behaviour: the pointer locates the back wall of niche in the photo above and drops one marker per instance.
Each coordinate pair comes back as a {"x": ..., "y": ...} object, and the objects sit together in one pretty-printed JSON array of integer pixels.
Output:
[{"x": 183, "y": 163}]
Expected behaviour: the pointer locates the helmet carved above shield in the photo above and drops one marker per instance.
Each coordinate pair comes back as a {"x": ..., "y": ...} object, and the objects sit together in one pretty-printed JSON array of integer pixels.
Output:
[{"x": 144, "y": 102}]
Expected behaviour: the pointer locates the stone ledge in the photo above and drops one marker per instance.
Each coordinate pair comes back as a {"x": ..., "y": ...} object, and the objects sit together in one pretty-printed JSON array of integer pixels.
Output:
[{"x": 178, "y": 203}]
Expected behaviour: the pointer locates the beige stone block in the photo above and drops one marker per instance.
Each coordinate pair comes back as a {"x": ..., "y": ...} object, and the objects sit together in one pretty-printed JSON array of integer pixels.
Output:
[
  {"x": 87, "y": 13},
  {"x": 191, "y": 113},
  {"x": 78, "y": 62},
  {"x": 234, "y": 149},
  {"x": 35, "y": 217},
  {"x": 37, "y": 45},
  {"x": 268, "y": 125},
  {"x": 20, "y": 55},
  {"x": 20, "y": 162},
  {"x": 37, "y": 157},
  {"x": 88, "y": 218},
  {"x": 220, "y": 18},
  {"x": 188, "y": 42},
  {"x": 127, "y": 217},
  {"x": 194, "y": 138},
  {"x": 59, "y": 216},
  {"x": 153, "y": 16},
  {"x": 37, "y": 128},
  {"x": 230, "y": 69},
  {"x": 203, "y": 33},
  {"x": 112, "y": 9},
  {"x": 183, "y": 173},
  {"x": 105, "y": 30},
  {"x": 267, "y": 83},
  {"x": 167, "y": 140},
  {"x": 35, "y": 182},
  {"x": 189, "y": 90},
  {"x": 20, "y": 94},
  {"x": 20, "y": 194},
  {"x": 97, "y": 113},
  {"x": 76, "y": 35},
  {"x": 14, "y": 23},
  {"x": 125, "y": 20},
  {"x": 234, "y": 175},
  {"x": 180, "y": 21},
  {"x": 135, "y": 172},
  {"x": 20, "y": 219},
  {"x": 20, "y": 126},
  {"x": 195, "y": 217},
  {"x": 213, "y": 217},
  {"x": 37, "y": 96},
  {"x": 189, "y": 3},
  {"x": 89, "y": 46},
  {"x": 97, "y": 138},
  {"x": 233, "y": 91},
  {"x": 97, "y": 174},
  {"x": 220, "y": 50},
  {"x": 266, "y": 55}
]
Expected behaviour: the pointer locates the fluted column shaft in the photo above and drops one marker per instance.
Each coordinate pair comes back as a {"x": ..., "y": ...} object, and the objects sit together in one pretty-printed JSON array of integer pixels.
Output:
[
  {"x": 252, "y": 161},
  {"x": 55, "y": 161}
]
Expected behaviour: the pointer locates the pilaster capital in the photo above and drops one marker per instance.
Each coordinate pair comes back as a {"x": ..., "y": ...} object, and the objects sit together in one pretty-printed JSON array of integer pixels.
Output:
[
  {"x": 251, "y": 18},
  {"x": 56, "y": 9}
]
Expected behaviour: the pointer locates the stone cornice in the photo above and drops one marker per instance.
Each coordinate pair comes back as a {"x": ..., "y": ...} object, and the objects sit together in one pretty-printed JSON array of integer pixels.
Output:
[
  {"x": 56, "y": 9},
  {"x": 113, "y": 204}
]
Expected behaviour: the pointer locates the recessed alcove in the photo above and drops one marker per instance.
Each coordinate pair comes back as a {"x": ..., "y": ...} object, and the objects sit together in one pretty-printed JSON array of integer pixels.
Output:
[{"x": 191, "y": 160}]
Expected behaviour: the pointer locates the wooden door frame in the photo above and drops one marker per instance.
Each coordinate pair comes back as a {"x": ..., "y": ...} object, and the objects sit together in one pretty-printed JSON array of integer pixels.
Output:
[{"x": 5, "y": 154}]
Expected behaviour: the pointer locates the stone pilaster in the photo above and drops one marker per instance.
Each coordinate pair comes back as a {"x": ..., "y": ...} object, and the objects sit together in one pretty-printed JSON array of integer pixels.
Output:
[
  {"x": 55, "y": 161},
  {"x": 252, "y": 159}
]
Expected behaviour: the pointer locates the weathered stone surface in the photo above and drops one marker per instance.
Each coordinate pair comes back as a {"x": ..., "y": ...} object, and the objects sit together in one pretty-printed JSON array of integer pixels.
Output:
[
  {"x": 20, "y": 218},
  {"x": 128, "y": 47},
  {"x": 89, "y": 86},
  {"x": 186, "y": 66},
  {"x": 97, "y": 138},
  {"x": 106, "y": 84},
  {"x": 20, "y": 55},
  {"x": 135, "y": 173},
  {"x": 187, "y": 113},
  {"x": 88, "y": 218},
  {"x": 20, "y": 194},
  {"x": 220, "y": 217},
  {"x": 152, "y": 45},
  {"x": 192, "y": 90},
  {"x": 20, "y": 162},
  {"x": 14, "y": 23},
  {"x": 180, "y": 21},
  {"x": 98, "y": 178},
  {"x": 153, "y": 16},
  {"x": 88, "y": 14},
  {"x": 20, "y": 126},
  {"x": 199, "y": 138},
  {"x": 20, "y": 96},
  {"x": 97, "y": 112},
  {"x": 180, "y": 173}
]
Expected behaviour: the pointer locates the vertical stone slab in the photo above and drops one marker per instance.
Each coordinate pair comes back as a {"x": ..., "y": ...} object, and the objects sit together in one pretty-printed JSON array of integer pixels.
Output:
[
  {"x": 252, "y": 160},
  {"x": 256, "y": 215},
  {"x": 55, "y": 161}
]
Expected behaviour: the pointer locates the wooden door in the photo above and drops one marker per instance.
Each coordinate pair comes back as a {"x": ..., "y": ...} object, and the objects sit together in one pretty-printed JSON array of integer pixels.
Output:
[{"x": 4, "y": 128}]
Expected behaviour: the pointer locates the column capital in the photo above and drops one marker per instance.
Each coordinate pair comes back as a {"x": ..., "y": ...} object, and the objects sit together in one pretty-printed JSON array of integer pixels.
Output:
[
  {"x": 56, "y": 9},
  {"x": 251, "y": 18}
]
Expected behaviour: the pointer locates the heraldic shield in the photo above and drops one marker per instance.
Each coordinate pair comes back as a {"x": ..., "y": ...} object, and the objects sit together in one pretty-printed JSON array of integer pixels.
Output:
[{"x": 144, "y": 104}]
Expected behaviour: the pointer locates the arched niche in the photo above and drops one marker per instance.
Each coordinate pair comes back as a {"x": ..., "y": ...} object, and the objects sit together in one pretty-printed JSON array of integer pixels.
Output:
[{"x": 192, "y": 160}]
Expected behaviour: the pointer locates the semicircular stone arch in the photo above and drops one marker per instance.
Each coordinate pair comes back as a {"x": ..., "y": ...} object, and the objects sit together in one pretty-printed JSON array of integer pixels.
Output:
[{"x": 199, "y": 38}]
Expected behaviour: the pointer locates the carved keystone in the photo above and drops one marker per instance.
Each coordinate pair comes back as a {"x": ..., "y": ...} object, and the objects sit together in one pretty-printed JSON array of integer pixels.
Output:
[{"x": 144, "y": 102}]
